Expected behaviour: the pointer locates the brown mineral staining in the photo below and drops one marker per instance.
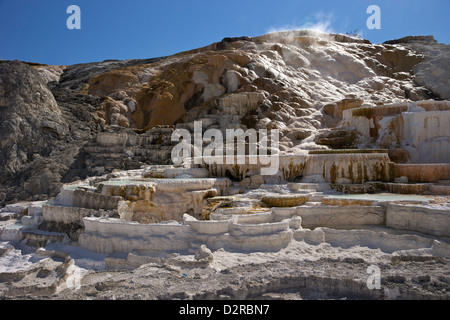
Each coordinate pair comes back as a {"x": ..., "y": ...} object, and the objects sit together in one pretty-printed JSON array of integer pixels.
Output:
[
  {"x": 353, "y": 116},
  {"x": 284, "y": 200}
]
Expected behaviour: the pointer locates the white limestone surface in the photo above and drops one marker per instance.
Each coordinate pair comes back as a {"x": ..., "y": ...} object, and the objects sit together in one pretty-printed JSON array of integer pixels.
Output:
[
  {"x": 422, "y": 128},
  {"x": 441, "y": 249},
  {"x": 66, "y": 215},
  {"x": 348, "y": 167},
  {"x": 433, "y": 220},
  {"x": 182, "y": 185},
  {"x": 11, "y": 232},
  {"x": 375, "y": 239},
  {"x": 107, "y": 235},
  {"x": 238, "y": 229},
  {"x": 213, "y": 227},
  {"x": 104, "y": 235},
  {"x": 333, "y": 216}
]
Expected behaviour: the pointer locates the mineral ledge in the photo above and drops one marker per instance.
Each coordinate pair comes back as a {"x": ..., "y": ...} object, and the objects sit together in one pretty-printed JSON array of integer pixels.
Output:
[{"x": 363, "y": 177}]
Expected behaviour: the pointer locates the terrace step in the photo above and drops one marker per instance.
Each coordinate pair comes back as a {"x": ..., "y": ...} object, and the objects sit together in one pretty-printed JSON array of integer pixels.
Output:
[
  {"x": 439, "y": 189},
  {"x": 102, "y": 149},
  {"x": 316, "y": 196},
  {"x": 313, "y": 203},
  {"x": 408, "y": 244},
  {"x": 407, "y": 188},
  {"x": 319, "y": 187},
  {"x": 424, "y": 172},
  {"x": 39, "y": 238},
  {"x": 195, "y": 245},
  {"x": 5, "y": 216}
]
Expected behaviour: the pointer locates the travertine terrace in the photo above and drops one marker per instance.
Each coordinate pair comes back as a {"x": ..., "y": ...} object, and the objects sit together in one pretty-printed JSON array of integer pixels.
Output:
[{"x": 363, "y": 173}]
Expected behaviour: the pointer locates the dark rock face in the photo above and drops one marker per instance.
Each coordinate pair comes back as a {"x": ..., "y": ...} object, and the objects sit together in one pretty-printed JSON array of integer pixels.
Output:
[
  {"x": 44, "y": 127},
  {"x": 39, "y": 138},
  {"x": 409, "y": 39},
  {"x": 30, "y": 117},
  {"x": 338, "y": 138}
]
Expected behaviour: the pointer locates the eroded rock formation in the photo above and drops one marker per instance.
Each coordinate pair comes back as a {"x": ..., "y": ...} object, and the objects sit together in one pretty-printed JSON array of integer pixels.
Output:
[
  {"x": 362, "y": 168},
  {"x": 300, "y": 82}
]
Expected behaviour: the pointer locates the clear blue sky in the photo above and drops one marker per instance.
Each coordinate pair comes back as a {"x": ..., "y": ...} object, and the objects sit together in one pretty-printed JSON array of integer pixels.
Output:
[{"x": 35, "y": 30}]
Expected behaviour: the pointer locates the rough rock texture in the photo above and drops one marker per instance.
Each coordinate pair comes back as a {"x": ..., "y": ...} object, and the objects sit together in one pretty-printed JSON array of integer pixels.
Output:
[
  {"x": 298, "y": 272},
  {"x": 299, "y": 82},
  {"x": 432, "y": 72},
  {"x": 40, "y": 137},
  {"x": 293, "y": 75},
  {"x": 415, "y": 132},
  {"x": 30, "y": 116},
  {"x": 347, "y": 111}
]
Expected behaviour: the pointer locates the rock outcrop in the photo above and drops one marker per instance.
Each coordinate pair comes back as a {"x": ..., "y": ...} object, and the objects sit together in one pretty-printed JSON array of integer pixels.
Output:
[
  {"x": 315, "y": 88},
  {"x": 360, "y": 178},
  {"x": 41, "y": 134}
]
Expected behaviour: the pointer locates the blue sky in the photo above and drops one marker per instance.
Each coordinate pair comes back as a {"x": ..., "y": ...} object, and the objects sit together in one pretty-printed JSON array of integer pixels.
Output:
[{"x": 36, "y": 31}]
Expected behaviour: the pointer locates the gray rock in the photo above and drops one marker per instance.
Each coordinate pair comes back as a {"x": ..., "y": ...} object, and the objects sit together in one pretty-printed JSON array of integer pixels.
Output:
[
  {"x": 30, "y": 118},
  {"x": 40, "y": 137},
  {"x": 204, "y": 253}
]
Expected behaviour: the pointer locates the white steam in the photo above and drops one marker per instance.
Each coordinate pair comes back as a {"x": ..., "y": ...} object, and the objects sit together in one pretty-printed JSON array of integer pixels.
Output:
[{"x": 322, "y": 24}]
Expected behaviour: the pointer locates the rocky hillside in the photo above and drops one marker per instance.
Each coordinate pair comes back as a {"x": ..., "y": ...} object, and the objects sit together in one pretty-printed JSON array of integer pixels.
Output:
[{"x": 299, "y": 82}]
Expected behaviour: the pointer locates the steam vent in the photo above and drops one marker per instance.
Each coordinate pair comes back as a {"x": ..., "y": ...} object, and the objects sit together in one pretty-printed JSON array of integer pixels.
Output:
[{"x": 96, "y": 201}]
